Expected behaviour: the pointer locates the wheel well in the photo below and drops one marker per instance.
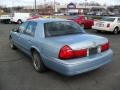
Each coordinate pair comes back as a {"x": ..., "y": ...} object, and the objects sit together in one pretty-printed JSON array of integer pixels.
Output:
[
  {"x": 117, "y": 27},
  {"x": 19, "y": 20},
  {"x": 33, "y": 50}
]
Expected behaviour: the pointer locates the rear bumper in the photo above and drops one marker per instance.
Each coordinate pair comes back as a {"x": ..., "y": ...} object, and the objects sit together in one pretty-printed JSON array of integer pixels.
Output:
[
  {"x": 78, "y": 66},
  {"x": 102, "y": 28}
]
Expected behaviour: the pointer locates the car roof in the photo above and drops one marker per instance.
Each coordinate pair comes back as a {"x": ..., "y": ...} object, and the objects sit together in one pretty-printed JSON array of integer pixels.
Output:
[{"x": 45, "y": 20}]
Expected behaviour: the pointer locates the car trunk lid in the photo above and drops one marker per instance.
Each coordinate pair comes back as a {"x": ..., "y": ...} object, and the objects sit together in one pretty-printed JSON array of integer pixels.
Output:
[{"x": 78, "y": 41}]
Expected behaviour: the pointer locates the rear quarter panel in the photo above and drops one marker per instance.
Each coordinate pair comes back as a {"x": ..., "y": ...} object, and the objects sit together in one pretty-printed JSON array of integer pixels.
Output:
[{"x": 46, "y": 47}]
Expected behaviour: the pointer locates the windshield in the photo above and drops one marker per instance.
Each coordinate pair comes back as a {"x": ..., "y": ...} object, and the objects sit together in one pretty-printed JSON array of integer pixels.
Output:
[
  {"x": 60, "y": 28},
  {"x": 108, "y": 19}
]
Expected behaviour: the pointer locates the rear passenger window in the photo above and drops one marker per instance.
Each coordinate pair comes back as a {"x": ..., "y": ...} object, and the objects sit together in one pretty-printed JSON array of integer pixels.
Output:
[{"x": 31, "y": 28}]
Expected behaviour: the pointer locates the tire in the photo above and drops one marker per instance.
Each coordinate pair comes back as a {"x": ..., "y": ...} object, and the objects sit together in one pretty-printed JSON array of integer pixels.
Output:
[
  {"x": 38, "y": 63},
  {"x": 12, "y": 46},
  {"x": 116, "y": 30},
  {"x": 9, "y": 22},
  {"x": 19, "y": 21},
  {"x": 98, "y": 31}
]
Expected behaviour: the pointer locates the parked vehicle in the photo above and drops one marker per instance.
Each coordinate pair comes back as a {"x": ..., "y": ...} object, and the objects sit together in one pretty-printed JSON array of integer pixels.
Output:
[
  {"x": 5, "y": 18},
  {"x": 111, "y": 24},
  {"x": 61, "y": 45},
  {"x": 19, "y": 17},
  {"x": 84, "y": 21},
  {"x": 33, "y": 17}
]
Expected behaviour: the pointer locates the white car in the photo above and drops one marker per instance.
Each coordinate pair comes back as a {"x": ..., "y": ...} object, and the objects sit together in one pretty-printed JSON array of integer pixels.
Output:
[{"x": 111, "y": 24}]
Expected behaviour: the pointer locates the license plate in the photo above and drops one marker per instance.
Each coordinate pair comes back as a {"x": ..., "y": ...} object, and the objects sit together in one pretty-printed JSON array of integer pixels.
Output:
[{"x": 93, "y": 51}]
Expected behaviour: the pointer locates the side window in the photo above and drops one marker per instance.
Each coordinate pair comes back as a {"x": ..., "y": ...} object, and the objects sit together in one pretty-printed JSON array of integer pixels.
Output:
[
  {"x": 23, "y": 27},
  {"x": 31, "y": 28}
]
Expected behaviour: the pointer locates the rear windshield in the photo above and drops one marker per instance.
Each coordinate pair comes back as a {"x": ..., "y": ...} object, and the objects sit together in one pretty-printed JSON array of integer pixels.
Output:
[
  {"x": 108, "y": 19},
  {"x": 60, "y": 28}
]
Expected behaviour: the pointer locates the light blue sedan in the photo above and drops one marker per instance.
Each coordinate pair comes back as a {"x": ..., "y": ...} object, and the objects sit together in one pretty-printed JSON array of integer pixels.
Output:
[{"x": 60, "y": 45}]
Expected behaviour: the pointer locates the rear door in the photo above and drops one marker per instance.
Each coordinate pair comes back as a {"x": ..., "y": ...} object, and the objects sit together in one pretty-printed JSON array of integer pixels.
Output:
[{"x": 28, "y": 37}]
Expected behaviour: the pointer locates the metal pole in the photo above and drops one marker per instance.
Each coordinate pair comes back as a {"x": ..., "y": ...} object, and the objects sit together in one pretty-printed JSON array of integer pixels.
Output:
[
  {"x": 35, "y": 6},
  {"x": 54, "y": 5},
  {"x": 85, "y": 6}
]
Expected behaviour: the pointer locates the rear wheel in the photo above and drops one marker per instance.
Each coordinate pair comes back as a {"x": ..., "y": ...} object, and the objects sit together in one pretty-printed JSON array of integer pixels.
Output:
[
  {"x": 116, "y": 30},
  {"x": 38, "y": 63},
  {"x": 19, "y": 21}
]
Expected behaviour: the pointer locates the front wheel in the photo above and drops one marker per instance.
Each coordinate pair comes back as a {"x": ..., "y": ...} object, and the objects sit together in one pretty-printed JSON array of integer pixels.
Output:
[{"x": 38, "y": 63}]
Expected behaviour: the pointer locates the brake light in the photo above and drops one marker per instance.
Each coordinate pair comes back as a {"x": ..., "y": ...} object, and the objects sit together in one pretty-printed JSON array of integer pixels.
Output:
[
  {"x": 67, "y": 53},
  {"x": 108, "y": 25},
  {"x": 105, "y": 47},
  {"x": 80, "y": 53}
]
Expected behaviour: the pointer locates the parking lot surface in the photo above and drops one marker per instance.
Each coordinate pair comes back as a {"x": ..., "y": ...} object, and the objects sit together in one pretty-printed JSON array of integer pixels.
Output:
[{"x": 17, "y": 73}]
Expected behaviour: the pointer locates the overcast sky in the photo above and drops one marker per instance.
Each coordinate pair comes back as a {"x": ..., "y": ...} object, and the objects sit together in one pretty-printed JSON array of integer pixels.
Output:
[{"x": 30, "y": 2}]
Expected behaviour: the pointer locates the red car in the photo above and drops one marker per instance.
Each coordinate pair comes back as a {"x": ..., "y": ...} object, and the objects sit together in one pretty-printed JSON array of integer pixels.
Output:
[
  {"x": 33, "y": 17},
  {"x": 84, "y": 21}
]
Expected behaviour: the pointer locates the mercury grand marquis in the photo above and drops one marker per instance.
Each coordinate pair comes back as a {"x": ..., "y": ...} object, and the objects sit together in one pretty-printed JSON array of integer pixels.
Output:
[{"x": 60, "y": 45}]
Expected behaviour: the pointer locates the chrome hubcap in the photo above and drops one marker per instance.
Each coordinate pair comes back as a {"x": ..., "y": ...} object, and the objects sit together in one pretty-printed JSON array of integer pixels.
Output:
[
  {"x": 36, "y": 62},
  {"x": 19, "y": 22},
  {"x": 115, "y": 31}
]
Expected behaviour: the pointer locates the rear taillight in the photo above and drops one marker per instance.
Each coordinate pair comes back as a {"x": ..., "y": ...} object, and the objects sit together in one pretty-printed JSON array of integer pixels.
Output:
[
  {"x": 80, "y": 53},
  {"x": 108, "y": 25},
  {"x": 105, "y": 47},
  {"x": 67, "y": 53}
]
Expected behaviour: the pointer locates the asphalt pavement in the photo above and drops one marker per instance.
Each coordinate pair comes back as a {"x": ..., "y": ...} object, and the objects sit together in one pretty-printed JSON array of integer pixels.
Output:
[{"x": 17, "y": 72}]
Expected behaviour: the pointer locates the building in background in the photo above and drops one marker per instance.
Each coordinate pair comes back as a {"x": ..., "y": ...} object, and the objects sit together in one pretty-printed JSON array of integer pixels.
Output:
[
  {"x": 49, "y": 8},
  {"x": 81, "y": 8}
]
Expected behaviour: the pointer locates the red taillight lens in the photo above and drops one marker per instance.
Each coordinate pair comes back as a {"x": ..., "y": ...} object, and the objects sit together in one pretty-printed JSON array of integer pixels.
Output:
[
  {"x": 80, "y": 53},
  {"x": 67, "y": 53},
  {"x": 108, "y": 25},
  {"x": 105, "y": 47}
]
